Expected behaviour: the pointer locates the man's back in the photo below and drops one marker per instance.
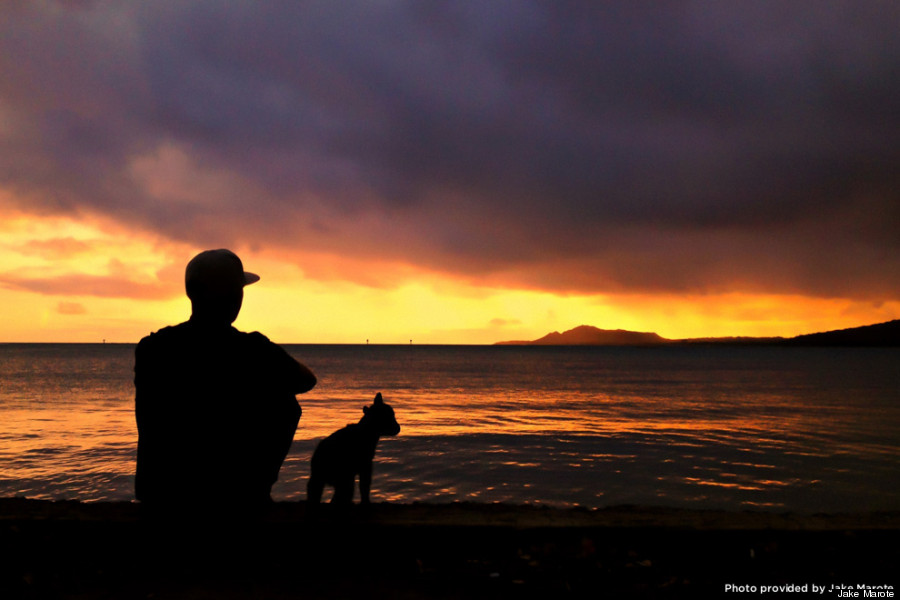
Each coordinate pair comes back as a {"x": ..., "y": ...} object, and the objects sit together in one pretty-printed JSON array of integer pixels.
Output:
[{"x": 216, "y": 414}]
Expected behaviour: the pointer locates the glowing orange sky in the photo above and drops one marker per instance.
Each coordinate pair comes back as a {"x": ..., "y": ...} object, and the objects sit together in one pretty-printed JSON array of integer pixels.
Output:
[
  {"x": 450, "y": 175},
  {"x": 78, "y": 280}
]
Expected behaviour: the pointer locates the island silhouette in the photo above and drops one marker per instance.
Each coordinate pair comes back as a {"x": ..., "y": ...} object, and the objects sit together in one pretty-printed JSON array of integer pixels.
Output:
[{"x": 879, "y": 334}]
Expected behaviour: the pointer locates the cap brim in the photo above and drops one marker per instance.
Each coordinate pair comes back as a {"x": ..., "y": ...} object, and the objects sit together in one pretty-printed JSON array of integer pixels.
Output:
[{"x": 250, "y": 278}]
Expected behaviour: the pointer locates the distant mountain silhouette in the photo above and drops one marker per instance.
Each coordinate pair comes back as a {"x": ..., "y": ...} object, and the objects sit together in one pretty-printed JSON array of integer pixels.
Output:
[
  {"x": 585, "y": 335},
  {"x": 881, "y": 334}
]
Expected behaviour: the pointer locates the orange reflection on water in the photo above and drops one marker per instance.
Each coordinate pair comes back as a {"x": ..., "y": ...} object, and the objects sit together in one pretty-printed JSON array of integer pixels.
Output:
[
  {"x": 422, "y": 414},
  {"x": 59, "y": 446},
  {"x": 723, "y": 484}
]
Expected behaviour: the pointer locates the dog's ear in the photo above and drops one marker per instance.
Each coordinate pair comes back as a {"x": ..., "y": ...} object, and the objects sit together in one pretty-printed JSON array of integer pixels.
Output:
[{"x": 379, "y": 399}]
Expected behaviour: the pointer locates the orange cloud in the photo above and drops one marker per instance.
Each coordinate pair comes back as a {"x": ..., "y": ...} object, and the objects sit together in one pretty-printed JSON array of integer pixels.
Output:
[
  {"x": 135, "y": 282},
  {"x": 71, "y": 308},
  {"x": 92, "y": 285},
  {"x": 498, "y": 322},
  {"x": 54, "y": 249}
]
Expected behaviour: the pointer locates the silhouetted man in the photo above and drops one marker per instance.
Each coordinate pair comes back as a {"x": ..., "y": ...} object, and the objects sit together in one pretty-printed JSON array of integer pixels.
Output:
[{"x": 215, "y": 407}]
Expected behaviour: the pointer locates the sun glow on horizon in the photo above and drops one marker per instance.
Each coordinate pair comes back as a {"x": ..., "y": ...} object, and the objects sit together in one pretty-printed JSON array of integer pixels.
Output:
[{"x": 81, "y": 280}]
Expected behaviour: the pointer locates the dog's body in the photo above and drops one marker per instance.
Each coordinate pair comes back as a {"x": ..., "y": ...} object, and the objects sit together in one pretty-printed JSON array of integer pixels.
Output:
[{"x": 348, "y": 452}]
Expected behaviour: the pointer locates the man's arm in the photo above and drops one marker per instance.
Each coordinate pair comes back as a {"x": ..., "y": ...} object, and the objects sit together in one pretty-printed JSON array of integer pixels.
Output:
[{"x": 294, "y": 376}]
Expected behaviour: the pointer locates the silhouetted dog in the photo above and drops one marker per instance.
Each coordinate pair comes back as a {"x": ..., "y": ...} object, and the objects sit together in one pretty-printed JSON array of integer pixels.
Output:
[{"x": 349, "y": 452}]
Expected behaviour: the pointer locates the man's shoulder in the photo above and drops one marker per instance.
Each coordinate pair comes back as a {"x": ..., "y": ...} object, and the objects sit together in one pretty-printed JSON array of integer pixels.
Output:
[
  {"x": 172, "y": 331},
  {"x": 256, "y": 342},
  {"x": 262, "y": 348},
  {"x": 181, "y": 337},
  {"x": 256, "y": 337},
  {"x": 186, "y": 330},
  {"x": 173, "y": 335}
]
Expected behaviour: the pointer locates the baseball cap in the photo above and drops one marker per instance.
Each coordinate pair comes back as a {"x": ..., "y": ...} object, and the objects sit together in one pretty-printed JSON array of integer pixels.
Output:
[{"x": 217, "y": 271}]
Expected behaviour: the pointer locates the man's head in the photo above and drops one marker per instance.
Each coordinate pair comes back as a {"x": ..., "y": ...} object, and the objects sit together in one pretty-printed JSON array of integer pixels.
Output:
[{"x": 214, "y": 281}]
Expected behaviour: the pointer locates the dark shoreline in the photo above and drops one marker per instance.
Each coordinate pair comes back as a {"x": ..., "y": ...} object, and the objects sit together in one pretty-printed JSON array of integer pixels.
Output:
[
  {"x": 460, "y": 550},
  {"x": 474, "y": 514}
]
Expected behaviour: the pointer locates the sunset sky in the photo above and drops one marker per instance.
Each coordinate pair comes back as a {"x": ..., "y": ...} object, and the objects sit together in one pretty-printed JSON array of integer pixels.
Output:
[{"x": 462, "y": 172}]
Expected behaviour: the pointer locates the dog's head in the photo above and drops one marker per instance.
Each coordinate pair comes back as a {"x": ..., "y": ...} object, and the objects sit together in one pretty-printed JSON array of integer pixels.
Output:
[{"x": 380, "y": 416}]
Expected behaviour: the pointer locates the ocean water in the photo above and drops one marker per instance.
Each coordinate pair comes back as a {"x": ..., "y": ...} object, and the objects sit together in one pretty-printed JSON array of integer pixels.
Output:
[{"x": 764, "y": 428}]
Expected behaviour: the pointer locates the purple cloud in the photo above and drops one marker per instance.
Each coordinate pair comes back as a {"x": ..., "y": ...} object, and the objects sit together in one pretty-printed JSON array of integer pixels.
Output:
[{"x": 564, "y": 145}]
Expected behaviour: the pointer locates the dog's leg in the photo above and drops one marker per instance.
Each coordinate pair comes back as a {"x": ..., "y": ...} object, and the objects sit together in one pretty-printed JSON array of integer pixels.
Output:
[
  {"x": 343, "y": 491},
  {"x": 314, "y": 488},
  {"x": 365, "y": 483}
]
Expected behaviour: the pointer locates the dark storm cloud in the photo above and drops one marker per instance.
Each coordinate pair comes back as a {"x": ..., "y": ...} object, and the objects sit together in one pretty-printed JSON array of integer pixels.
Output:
[{"x": 570, "y": 145}]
